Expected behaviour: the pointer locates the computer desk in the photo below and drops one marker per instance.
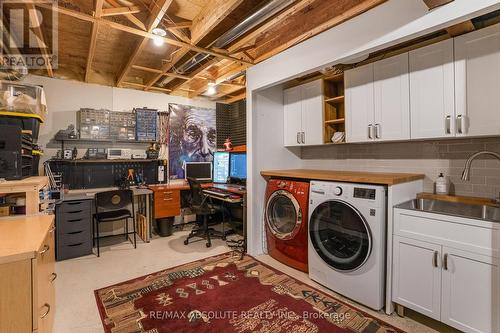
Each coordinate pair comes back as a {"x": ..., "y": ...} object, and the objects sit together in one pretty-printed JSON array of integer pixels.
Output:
[{"x": 167, "y": 199}]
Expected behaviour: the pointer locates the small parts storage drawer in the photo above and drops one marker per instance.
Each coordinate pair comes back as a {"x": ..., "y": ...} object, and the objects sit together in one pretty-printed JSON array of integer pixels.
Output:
[{"x": 74, "y": 229}]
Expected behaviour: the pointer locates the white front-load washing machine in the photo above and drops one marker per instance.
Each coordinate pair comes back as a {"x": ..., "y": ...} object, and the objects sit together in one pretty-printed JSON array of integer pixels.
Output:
[{"x": 347, "y": 226}]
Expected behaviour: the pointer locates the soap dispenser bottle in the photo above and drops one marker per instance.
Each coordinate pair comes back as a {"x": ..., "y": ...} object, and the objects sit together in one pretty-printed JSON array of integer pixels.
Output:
[{"x": 441, "y": 184}]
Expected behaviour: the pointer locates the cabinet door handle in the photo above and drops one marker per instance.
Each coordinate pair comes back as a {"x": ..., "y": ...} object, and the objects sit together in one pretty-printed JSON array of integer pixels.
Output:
[
  {"x": 377, "y": 131},
  {"x": 435, "y": 259},
  {"x": 460, "y": 123},
  {"x": 448, "y": 124},
  {"x": 445, "y": 262},
  {"x": 370, "y": 131},
  {"x": 298, "y": 138},
  {"x": 45, "y": 249},
  {"x": 53, "y": 277},
  {"x": 303, "y": 136},
  {"x": 46, "y": 312},
  {"x": 168, "y": 199}
]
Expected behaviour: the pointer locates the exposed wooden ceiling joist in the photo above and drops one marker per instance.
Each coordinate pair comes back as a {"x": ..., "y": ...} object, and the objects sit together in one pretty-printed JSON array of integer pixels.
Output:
[
  {"x": 166, "y": 67},
  {"x": 157, "y": 12},
  {"x": 461, "y": 28},
  {"x": 159, "y": 71},
  {"x": 36, "y": 27},
  {"x": 118, "y": 26},
  {"x": 120, "y": 11},
  {"x": 93, "y": 38},
  {"x": 138, "y": 85},
  {"x": 436, "y": 3},
  {"x": 238, "y": 45},
  {"x": 344, "y": 16},
  {"x": 211, "y": 15},
  {"x": 138, "y": 23},
  {"x": 236, "y": 98}
]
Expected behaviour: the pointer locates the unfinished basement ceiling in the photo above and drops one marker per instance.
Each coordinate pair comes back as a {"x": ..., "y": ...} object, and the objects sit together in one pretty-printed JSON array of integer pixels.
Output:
[{"x": 121, "y": 53}]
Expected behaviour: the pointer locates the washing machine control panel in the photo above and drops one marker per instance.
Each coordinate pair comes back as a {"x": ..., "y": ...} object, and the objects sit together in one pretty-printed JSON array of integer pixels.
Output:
[{"x": 338, "y": 191}]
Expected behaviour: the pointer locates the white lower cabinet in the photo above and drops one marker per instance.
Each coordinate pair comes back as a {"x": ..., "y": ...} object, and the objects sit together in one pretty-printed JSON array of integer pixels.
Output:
[
  {"x": 417, "y": 283},
  {"x": 470, "y": 292},
  {"x": 452, "y": 277}
]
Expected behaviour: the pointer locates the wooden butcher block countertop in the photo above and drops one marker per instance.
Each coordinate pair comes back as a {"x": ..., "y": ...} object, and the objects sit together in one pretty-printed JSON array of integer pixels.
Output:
[
  {"x": 22, "y": 237},
  {"x": 345, "y": 176}
]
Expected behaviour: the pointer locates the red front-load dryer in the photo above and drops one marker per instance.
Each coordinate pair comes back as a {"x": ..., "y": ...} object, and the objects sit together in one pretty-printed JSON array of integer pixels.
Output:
[{"x": 286, "y": 222}]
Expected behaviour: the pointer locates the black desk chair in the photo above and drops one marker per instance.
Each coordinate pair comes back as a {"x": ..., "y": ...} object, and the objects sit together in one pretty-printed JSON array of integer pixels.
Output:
[
  {"x": 202, "y": 206},
  {"x": 112, "y": 206}
]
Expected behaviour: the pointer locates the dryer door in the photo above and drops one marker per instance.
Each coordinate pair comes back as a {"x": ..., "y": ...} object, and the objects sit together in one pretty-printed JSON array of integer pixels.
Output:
[
  {"x": 340, "y": 235},
  {"x": 283, "y": 215}
]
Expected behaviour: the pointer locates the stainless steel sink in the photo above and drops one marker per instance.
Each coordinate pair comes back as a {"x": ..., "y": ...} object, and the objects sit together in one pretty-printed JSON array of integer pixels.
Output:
[{"x": 480, "y": 212}]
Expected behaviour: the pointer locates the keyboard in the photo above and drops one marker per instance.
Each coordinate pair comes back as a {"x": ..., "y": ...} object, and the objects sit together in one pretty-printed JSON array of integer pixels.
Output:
[{"x": 218, "y": 192}]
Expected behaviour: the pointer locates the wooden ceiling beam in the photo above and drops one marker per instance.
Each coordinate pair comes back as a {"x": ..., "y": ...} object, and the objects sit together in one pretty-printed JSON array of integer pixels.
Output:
[
  {"x": 120, "y": 11},
  {"x": 431, "y": 4},
  {"x": 461, "y": 28},
  {"x": 138, "y": 23},
  {"x": 93, "y": 38},
  {"x": 37, "y": 30},
  {"x": 137, "y": 32},
  {"x": 210, "y": 16},
  {"x": 334, "y": 21},
  {"x": 157, "y": 12},
  {"x": 142, "y": 86},
  {"x": 236, "y": 98},
  {"x": 166, "y": 67},
  {"x": 159, "y": 71},
  {"x": 239, "y": 45},
  {"x": 194, "y": 75},
  {"x": 233, "y": 72}
]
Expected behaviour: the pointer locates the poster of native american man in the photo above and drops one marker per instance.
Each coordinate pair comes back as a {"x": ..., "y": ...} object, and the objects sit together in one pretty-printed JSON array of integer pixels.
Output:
[{"x": 193, "y": 137}]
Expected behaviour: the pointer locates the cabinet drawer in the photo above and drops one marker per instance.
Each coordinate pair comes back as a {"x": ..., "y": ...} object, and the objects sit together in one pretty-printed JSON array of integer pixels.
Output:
[
  {"x": 76, "y": 237},
  {"x": 43, "y": 289},
  {"x": 475, "y": 236},
  {"x": 167, "y": 203},
  {"x": 75, "y": 214},
  {"x": 73, "y": 225},
  {"x": 74, "y": 250},
  {"x": 69, "y": 206}
]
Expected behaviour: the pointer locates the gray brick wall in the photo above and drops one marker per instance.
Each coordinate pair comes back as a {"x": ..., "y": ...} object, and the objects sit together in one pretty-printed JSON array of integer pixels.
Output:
[{"x": 427, "y": 157}]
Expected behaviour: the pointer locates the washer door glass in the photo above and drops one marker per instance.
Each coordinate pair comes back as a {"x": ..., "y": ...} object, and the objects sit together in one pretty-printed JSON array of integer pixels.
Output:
[
  {"x": 340, "y": 235},
  {"x": 283, "y": 214}
]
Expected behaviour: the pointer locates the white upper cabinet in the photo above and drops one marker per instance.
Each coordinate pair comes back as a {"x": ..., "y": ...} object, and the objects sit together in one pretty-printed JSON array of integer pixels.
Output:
[
  {"x": 392, "y": 98},
  {"x": 313, "y": 112},
  {"x": 477, "y": 82},
  {"x": 432, "y": 91},
  {"x": 359, "y": 104},
  {"x": 303, "y": 114},
  {"x": 378, "y": 101},
  {"x": 292, "y": 116}
]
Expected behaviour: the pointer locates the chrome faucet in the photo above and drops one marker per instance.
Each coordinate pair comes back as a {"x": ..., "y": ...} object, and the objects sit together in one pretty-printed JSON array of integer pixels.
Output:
[{"x": 466, "y": 172}]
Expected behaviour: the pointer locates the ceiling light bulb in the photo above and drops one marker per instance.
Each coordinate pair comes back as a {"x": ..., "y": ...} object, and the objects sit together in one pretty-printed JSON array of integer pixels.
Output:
[
  {"x": 158, "y": 39},
  {"x": 211, "y": 90}
]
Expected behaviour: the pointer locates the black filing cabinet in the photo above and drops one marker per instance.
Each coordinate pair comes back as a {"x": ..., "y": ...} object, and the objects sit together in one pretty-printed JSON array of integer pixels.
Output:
[{"x": 74, "y": 229}]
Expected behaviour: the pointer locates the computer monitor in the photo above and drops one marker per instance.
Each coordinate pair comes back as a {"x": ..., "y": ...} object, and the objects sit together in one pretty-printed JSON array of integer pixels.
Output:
[
  {"x": 198, "y": 170},
  {"x": 221, "y": 167},
  {"x": 238, "y": 162}
]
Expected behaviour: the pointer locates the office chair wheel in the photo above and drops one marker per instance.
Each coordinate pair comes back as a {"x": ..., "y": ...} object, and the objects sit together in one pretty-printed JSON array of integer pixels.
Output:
[
  {"x": 208, "y": 245},
  {"x": 186, "y": 242}
]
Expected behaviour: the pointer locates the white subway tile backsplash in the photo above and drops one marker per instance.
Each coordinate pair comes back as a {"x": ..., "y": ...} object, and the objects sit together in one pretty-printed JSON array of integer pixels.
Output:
[{"x": 427, "y": 157}]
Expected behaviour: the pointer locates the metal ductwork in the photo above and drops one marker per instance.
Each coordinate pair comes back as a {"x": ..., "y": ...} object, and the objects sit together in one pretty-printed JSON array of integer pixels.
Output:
[
  {"x": 11, "y": 74},
  {"x": 266, "y": 11}
]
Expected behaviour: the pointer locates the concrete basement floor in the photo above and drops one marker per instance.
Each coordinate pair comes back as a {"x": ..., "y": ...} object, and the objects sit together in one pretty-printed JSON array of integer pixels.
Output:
[{"x": 76, "y": 309}]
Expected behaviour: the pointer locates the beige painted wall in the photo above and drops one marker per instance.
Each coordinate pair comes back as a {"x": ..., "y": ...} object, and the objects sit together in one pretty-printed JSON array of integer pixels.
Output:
[{"x": 428, "y": 157}]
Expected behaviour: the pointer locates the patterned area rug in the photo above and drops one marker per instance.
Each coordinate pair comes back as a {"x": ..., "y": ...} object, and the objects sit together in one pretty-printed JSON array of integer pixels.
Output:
[{"x": 226, "y": 294}]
